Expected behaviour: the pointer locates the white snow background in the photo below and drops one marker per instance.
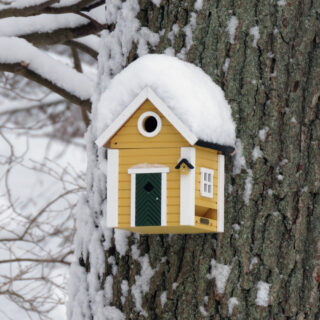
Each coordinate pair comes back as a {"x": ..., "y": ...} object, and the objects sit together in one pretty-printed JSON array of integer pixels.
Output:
[{"x": 33, "y": 190}]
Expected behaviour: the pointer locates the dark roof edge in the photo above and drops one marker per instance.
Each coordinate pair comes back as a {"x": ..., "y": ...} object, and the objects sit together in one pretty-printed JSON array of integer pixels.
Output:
[{"x": 224, "y": 149}]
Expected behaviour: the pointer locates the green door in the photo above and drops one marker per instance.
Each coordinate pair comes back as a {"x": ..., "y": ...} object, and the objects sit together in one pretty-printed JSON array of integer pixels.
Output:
[{"x": 148, "y": 199}]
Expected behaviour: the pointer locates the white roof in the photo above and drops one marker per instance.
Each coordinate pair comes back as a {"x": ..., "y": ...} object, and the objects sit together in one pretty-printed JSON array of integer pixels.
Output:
[{"x": 184, "y": 93}]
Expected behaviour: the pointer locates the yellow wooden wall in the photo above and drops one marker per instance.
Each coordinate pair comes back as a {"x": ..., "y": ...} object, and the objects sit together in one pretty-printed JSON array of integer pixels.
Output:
[
  {"x": 164, "y": 156},
  {"x": 134, "y": 148},
  {"x": 206, "y": 158},
  {"x": 129, "y": 136},
  {"x": 163, "y": 149}
]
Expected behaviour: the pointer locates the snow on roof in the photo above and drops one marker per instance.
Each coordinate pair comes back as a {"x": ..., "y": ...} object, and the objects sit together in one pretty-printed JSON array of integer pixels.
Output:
[{"x": 186, "y": 90}]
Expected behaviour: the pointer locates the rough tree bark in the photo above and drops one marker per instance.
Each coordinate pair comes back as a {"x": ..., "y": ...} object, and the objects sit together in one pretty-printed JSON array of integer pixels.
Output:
[{"x": 272, "y": 232}]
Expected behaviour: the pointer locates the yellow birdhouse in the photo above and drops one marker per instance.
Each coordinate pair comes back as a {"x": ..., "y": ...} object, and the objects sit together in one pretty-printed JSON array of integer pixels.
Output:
[{"x": 161, "y": 176}]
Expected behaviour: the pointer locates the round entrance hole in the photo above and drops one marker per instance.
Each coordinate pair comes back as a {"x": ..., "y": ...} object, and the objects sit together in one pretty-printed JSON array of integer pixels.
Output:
[{"x": 149, "y": 124}]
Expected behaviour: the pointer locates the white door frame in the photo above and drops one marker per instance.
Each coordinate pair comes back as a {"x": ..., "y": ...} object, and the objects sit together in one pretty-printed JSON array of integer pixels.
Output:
[{"x": 152, "y": 169}]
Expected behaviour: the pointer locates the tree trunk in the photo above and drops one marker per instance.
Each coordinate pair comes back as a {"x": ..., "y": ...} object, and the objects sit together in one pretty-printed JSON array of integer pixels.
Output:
[{"x": 269, "y": 69}]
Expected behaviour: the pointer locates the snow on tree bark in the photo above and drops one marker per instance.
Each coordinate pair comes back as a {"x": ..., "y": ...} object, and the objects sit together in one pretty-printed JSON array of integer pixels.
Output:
[{"x": 273, "y": 200}]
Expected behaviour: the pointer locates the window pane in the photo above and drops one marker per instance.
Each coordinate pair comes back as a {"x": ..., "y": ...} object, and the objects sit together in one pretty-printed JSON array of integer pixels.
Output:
[
  {"x": 205, "y": 187},
  {"x": 209, "y": 177},
  {"x": 205, "y": 176},
  {"x": 209, "y": 188}
]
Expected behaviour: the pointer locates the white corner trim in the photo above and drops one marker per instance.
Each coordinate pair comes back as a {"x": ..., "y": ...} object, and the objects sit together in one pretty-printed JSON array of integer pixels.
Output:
[
  {"x": 163, "y": 199},
  {"x": 141, "y": 123},
  {"x": 133, "y": 201},
  {"x": 150, "y": 169},
  {"x": 112, "y": 188},
  {"x": 146, "y": 93},
  {"x": 163, "y": 196},
  {"x": 187, "y": 189},
  {"x": 220, "y": 213}
]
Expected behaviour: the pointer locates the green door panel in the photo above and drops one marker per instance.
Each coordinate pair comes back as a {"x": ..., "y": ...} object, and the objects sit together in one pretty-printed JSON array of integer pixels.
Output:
[{"x": 148, "y": 199}]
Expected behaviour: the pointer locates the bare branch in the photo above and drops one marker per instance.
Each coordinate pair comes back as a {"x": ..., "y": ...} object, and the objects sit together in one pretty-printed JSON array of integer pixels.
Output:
[
  {"x": 35, "y": 218},
  {"x": 39, "y": 105},
  {"x": 35, "y": 260},
  {"x": 23, "y": 70},
  {"x": 76, "y": 59},
  {"x": 94, "y": 5},
  {"x": 81, "y": 46},
  {"x": 97, "y": 24},
  {"x": 21, "y": 95},
  {"x": 78, "y": 67}
]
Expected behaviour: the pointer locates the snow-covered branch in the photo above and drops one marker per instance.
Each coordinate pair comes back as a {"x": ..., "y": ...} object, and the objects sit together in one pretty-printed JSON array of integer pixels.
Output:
[
  {"x": 23, "y": 9},
  {"x": 61, "y": 35},
  {"x": 49, "y": 29},
  {"x": 34, "y": 64},
  {"x": 26, "y": 8},
  {"x": 42, "y": 151},
  {"x": 83, "y": 5}
]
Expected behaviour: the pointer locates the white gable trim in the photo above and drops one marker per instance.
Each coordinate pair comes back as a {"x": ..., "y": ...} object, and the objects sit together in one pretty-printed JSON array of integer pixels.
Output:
[{"x": 146, "y": 93}]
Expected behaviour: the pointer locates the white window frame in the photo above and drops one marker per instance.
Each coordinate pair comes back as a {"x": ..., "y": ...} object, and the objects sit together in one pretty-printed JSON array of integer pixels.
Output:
[
  {"x": 205, "y": 184},
  {"x": 152, "y": 169}
]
